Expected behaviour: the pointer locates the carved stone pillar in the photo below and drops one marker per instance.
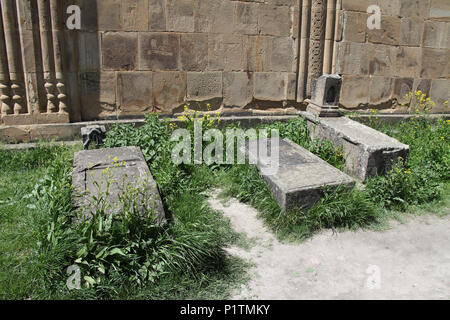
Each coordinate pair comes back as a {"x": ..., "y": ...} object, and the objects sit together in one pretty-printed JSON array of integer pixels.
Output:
[
  {"x": 47, "y": 52},
  {"x": 5, "y": 108},
  {"x": 58, "y": 42},
  {"x": 31, "y": 62},
  {"x": 304, "y": 45},
  {"x": 316, "y": 43},
  {"x": 12, "y": 41},
  {"x": 336, "y": 33},
  {"x": 329, "y": 37}
]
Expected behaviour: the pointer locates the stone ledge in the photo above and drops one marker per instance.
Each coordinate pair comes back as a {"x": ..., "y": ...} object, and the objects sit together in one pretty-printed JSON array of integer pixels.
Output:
[
  {"x": 72, "y": 131},
  {"x": 32, "y": 145},
  {"x": 395, "y": 118},
  {"x": 40, "y": 118},
  {"x": 368, "y": 152}
]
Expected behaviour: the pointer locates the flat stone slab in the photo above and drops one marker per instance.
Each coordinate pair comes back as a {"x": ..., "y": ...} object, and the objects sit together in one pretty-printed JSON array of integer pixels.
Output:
[
  {"x": 300, "y": 178},
  {"x": 116, "y": 170},
  {"x": 367, "y": 151}
]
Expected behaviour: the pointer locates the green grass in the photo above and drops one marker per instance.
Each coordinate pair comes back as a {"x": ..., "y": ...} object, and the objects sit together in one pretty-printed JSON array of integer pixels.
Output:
[
  {"x": 185, "y": 260},
  {"x": 21, "y": 171},
  {"x": 418, "y": 185},
  {"x": 38, "y": 242}
]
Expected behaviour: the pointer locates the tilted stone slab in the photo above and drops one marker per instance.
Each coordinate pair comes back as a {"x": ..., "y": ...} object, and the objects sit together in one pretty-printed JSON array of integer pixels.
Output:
[
  {"x": 301, "y": 177},
  {"x": 367, "y": 151},
  {"x": 117, "y": 170}
]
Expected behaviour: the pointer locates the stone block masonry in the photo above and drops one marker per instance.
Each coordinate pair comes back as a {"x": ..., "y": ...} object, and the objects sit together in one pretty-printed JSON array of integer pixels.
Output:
[
  {"x": 131, "y": 57},
  {"x": 160, "y": 54},
  {"x": 116, "y": 170},
  {"x": 410, "y": 48}
]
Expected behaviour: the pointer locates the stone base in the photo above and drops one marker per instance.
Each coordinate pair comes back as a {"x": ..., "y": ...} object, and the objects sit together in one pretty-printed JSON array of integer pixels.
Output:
[
  {"x": 124, "y": 168},
  {"x": 40, "y": 118},
  {"x": 367, "y": 151},
  {"x": 326, "y": 111},
  {"x": 301, "y": 178},
  {"x": 72, "y": 131}
]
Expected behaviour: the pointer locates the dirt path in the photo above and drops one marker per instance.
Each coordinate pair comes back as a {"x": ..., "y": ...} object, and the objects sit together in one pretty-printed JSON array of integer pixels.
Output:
[{"x": 409, "y": 261}]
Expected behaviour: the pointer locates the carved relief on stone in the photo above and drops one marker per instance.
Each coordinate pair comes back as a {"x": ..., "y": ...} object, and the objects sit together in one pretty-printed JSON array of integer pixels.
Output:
[
  {"x": 5, "y": 108},
  {"x": 316, "y": 44},
  {"x": 316, "y": 58},
  {"x": 58, "y": 40},
  {"x": 9, "y": 17},
  {"x": 303, "y": 50},
  {"x": 47, "y": 54},
  {"x": 318, "y": 11}
]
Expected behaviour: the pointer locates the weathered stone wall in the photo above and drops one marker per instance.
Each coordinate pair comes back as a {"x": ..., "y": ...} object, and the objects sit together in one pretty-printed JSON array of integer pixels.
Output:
[
  {"x": 245, "y": 57},
  {"x": 147, "y": 55},
  {"x": 411, "y": 51}
]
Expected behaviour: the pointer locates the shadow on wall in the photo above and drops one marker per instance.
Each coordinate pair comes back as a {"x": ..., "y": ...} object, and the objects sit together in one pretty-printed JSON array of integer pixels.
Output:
[{"x": 89, "y": 81}]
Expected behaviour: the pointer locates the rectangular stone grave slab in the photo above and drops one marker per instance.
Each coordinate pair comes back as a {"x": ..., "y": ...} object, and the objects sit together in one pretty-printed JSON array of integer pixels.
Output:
[
  {"x": 301, "y": 177},
  {"x": 367, "y": 151},
  {"x": 116, "y": 170}
]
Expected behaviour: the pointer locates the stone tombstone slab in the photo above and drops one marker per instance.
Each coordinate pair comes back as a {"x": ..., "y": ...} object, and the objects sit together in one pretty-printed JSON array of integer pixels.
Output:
[
  {"x": 116, "y": 170},
  {"x": 325, "y": 96},
  {"x": 367, "y": 151},
  {"x": 301, "y": 178}
]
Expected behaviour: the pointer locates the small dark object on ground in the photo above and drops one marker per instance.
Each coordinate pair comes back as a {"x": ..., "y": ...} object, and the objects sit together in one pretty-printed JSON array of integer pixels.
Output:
[{"x": 95, "y": 134}]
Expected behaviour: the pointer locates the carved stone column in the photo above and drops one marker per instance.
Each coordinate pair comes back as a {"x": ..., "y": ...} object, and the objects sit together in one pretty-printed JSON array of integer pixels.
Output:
[
  {"x": 316, "y": 43},
  {"x": 336, "y": 33},
  {"x": 329, "y": 37},
  {"x": 12, "y": 41},
  {"x": 58, "y": 42},
  {"x": 5, "y": 108},
  {"x": 304, "y": 45},
  {"x": 47, "y": 52}
]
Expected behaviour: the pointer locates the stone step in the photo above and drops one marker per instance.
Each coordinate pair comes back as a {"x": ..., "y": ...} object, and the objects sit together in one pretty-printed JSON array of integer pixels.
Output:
[
  {"x": 116, "y": 170},
  {"x": 367, "y": 151},
  {"x": 296, "y": 177}
]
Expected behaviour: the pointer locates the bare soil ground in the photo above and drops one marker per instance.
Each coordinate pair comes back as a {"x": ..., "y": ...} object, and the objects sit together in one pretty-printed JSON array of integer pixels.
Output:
[{"x": 409, "y": 261}]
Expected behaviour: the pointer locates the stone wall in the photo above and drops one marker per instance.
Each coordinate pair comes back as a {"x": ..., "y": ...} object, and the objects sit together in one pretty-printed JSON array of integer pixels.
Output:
[
  {"x": 159, "y": 54},
  {"x": 245, "y": 57},
  {"x": 411, "y": 51}
]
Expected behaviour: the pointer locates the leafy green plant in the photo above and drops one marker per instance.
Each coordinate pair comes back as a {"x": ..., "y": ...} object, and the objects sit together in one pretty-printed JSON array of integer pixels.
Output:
[
  {"x": 153, "y": 138},
  {"x": 208, "y": 121},
  {"x": 419, "y": 103},
  {"x": 403, "y": 187},
  {"x": 420, "y": 179}
]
